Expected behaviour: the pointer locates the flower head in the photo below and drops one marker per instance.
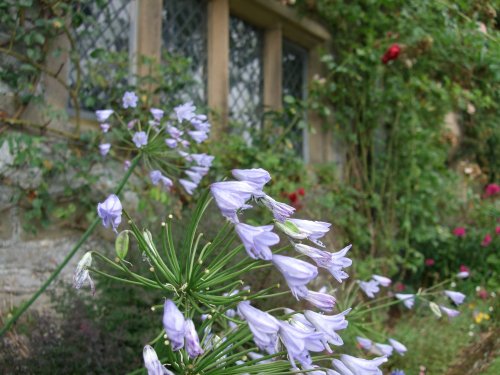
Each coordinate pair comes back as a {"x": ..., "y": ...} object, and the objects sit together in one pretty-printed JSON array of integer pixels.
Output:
[
  {"x": 456, "y": 297},
  {"x": 429, "y": 262},
  {"x": 382, "y": 280},
  {"x": 364, "y": 343},
  {"x": 173, "y": 323},
  {"x": 129, "y": 99},
  {"x": 370, "y": 288},
  {"x": 464, "y": 272},
  {"x": 157, "y": 177},
  {"x": 400, "y": 348},
  {"x": 232, "y": 196},
  {"x": 140, "y": 139},
  {"x": 359, "y": 366},
  {"x": 257, "y": 176},
  {"x": 450, "y": 312},
  {"x": 328, "y": 325},
  {"x": 298, "y": 343},
  {"x": 110, "y": 211},
  {"x": 264, "y": 326},
  {"x": 459, "y": 231},
  {"x": 104, "y": 148},
  {"x": 257, "y": 240},
  {"x": 382, "y": 349},
  {"x": 193, "y": 347},
  {"x": 408, "y": 299},
  {"x": 296, "y": 272},
  {"x": 198, "y": 135},
  {"x": 105, "y": 127},
  {"x": 152, "y": 363},
  {"x": 189, "y": 186},
  {"x": 322, "y": 301},
  {"x": 392, "y": 53},
  {"x": 313, "y": 230},
  {"x": 172, "y": 143},
  {"x": 103, "y": 114},
  {"x": 157, "y": 113},
  {"x": 185, "y": 111},
  {"x": 491, "y": 190},
  {"x": 486, "y": 240},
  {"x": 281, "y": 211},
  {"x": 82, "y": 274},
  {"x": 202, "y": 160}
]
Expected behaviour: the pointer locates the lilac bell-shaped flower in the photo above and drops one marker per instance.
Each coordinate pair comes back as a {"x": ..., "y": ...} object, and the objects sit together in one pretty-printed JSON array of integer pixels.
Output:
[
  {"x": 171, "y": 143},
  {"x": 129, "y": 99},
  {"x": 157, "y": 177},
  {"x": 450, "y": 312},
  {"x": 189, "y": 186},
  {"x": 174, "y": 323},
  {"x": 408, "y": 299},
  {"x": 110, "y": 211},
  {"x": 157, "y": 113},
  {"x": 296, "y": 272},
  {"x": 281, "y": 211},
  {"x": 257, "y": 176},
  {"x": 82, "y": 274},
  {"x": 382, "y": 349},
  {"x": 104, "y": 148},
  {"x": 370, "y": 288},
  {"x": 257, "y": 240},
  {"x": 194, "y": 176},
  {"x": 203, "y": 160},
  {"x": 232, "y": 196},
  {"x": 105, "y": 127},
  {"x": 313, "y": 230},
  {"x": 322, "y": 301},
  {"x": 382, "y": 280},
  {"x": 198, "y": 135},
  {"x": 193, "y": 347},
  {"x": 359, "y": 366},
  {"x": 298, "y": 343},
  {"x": 456, "y": 297},
  {"x": 140, "y": 139},
  {"x": 185, "y": 111},
  {"x": 328, "y": 325},
  {"x": 263, "y": 326},
  {"x": 152, "y": 363},
  {"x": 364, "y": 343},
  {"x": 400, "y": 348},
  {"x": 103, "y": 114}
]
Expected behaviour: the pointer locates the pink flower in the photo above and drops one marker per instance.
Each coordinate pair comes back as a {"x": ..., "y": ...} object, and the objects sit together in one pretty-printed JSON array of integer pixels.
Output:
[
  {"x": 429, "y": 262},
  {"x": 497, "y": 230},
  {"x": 491, "y": 189},
  {"x": 392, "y": 53},
  {"x": 459, "y": 231},
  {"x": 486, "y": 240}
]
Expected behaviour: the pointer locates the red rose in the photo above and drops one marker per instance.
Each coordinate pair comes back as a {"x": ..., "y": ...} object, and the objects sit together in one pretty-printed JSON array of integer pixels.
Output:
[
  {"x": 392, "y": 53},
  {"x": 293, "y": 197},
  {"x": 301, "y": 191}
]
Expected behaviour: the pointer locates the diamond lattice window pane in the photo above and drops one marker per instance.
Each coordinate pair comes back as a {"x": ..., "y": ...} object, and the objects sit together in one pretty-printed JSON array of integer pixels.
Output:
[
  {"x": 294, "y": 82},
  {"x": 245, "y": 73},
  {"x": 106, "y": 27},
  {"x": 185, "y": 33}
]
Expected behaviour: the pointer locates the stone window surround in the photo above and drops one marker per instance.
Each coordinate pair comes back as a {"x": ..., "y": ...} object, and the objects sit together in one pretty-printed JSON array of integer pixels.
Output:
[{"x": 277, "y": 21}]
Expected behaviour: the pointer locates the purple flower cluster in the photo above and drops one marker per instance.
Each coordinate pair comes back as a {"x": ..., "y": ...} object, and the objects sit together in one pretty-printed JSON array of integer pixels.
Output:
[
  {"x": 382, "y": 349},
  {"x": 183, "y": 128}
]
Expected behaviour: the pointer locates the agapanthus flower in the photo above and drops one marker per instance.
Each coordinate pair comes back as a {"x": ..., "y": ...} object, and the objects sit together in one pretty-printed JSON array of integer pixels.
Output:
[
  {"x": 313, "y": 230},
  {"x": 400, "y": 348},
  {"x": 198, "y": 135},
  {"x": 152, "y": 363},
  {"x": 173, "y": 323},
  {"x": 200, "y": 170},
  {"x": 486, "y": 240},
  {"x": 296, "y": 272},
  {"x": 232, "y": 196},
  {"x": 157, "y": 177},
  {"x": 370, "y": 288},
  {"x": 194, "y": 176},
  {"x": 126, "y": 165},
  {"x": 172, "y": 143},
  {"x": 364, "y": 343},
  {"x": 333, "y": 262},
  {"x": 193, "y": 347},
  {"x": 201, "y": 125},
  {"x": 456, "y": 297},
  {"x": 157, "y": 113},
  {"x": 382, "y": 280},
  {"x": 82, "y": 274},
  {"x": 203, "y": 160},
  {"x": 257, "y": 176},
  {"x": 140, "y": 139},
  {"x": 174, "y": 132},
  {"x": 328, "y": 325},
  {"x": 105, "y": 127},
  {"x": 257, "y": 240},
  {"x": 281, "y": 211},
  {"x": 189, "y": 186},
  {"x": 358, "y": 366},
  {"x": 264, "y": 326},
  {"x": 322, "y": 301},
  {"x": 299, "y": 342},
  {"x": 408, "y": 299},
  {"x": 382, "y": 349},
  {"x": 185, "y": 111},
  {"x": 104, "y": 148},
  {"x": 110, "y": 211},
  {"x": 129, "y": 99},
  {"x": 131, "y": 124},
  {"x": 103, "y": 114},
  {"x": 450, "y": 312}
]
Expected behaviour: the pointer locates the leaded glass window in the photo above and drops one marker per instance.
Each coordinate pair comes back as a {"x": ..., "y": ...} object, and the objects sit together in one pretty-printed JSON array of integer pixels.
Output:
[
  {"x": 245, "y": 73},
  {"x": 185, "y": 33},
  {"x": 294, "y": 83},
  {"x": 105, "y": 27}
]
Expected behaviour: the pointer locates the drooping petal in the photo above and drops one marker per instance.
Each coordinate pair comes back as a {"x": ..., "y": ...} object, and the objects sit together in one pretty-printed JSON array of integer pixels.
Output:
[
  {"x": 193, "y": 347},
  {"x": 257, "y": 240},
  {"x": 173, "y": 323}
]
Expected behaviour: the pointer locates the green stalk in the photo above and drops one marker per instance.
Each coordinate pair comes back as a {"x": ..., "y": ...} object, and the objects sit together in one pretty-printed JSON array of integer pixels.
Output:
[{"x": 68, "y": 257}]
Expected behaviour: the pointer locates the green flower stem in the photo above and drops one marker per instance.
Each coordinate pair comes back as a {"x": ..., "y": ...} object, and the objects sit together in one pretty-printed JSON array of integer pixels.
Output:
[
  {"x": 68, "y": 257},
  {"x": 116, "y": 278},
  {"x": 168, "y": 244}
]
